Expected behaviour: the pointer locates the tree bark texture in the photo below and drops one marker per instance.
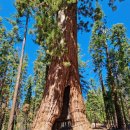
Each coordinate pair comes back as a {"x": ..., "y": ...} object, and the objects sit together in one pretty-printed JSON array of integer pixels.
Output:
[{"x": 59, "y": 77}]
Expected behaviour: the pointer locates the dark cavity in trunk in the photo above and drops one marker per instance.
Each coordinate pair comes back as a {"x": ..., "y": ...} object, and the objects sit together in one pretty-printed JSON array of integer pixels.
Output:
[{"x": 64, "y": 121}]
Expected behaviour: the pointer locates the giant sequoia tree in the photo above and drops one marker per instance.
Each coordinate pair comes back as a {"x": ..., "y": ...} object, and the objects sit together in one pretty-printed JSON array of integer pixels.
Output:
[
  {"x": 63, "y": 78},
  {"x": 56, "y": 28}
]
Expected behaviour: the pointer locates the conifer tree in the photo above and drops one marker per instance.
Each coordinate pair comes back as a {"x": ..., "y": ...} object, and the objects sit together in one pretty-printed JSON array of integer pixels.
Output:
[
  {"x": 82, "y": 72},
  {"x": 21, "y": 94},
  {"x": 104, "y": 55},
  {"x": 95, "y": 106},
  {"x": 63, "y": 62},
  {"x": 27, "y": 103},
  {"x": 39, "y": 77},
  {"x": 21, "y": 12},
  {"x": 119, "y": 58},
  {"x": 97, "y": 43},
  {"x": 8, "y": 65}
]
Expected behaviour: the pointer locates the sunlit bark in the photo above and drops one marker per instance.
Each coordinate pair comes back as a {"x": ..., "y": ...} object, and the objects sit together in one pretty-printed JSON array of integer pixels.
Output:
[{"x": 59, "y": 77}]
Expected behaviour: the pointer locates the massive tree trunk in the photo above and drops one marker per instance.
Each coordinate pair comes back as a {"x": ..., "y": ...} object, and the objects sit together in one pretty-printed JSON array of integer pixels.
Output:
[{"x": 61, "y": 76}]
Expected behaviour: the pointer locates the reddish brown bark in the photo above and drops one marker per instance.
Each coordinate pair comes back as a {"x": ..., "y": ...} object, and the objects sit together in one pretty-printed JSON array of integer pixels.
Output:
[{"x": 59, "y": 77}]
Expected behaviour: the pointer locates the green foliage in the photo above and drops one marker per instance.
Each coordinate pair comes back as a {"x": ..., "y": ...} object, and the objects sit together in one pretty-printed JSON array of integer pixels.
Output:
[
  {"x": 29, "y": 86},
  {"x": 8, "y": 59},
  {"x": 98, "y": 13},
  {"x": 49, "y": 34},
  {"x": 98, "y": 42},
  {"x": 66, "y": 64},
  {"x": 8, "y": 67},
  {"x": 110, "y": 52},
  {"x": 71, "y": 1},
  {"x": 39, "y": 77},
  {"x": 87, "y": 9},
  {"x": 9, "y": 62},
  {"x": 120, "y": 60},
  {"x": 23, "y": 7},
  {"x": 82, "y": 72},
  {"x": 95, "y": 106}
]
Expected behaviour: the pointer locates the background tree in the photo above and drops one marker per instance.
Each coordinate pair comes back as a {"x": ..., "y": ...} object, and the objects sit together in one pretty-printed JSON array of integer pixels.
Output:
[
  {"x": 23, "y": 12},
  {"x": 120, "y": 61},
  {"x": 39, "y": 78},
  {"x": 105, "y": 50},
  {"x": 97, "y": 43},
  {"x": 27, "y": 103},
  {"x": 8, "y": 65},
  {"x": 95, "y": 106}
]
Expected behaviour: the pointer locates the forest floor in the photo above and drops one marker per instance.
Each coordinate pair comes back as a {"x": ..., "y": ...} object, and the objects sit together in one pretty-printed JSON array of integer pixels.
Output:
[
  {"x": 98, "y": 126},
  {"x": 99, "y": 129}
]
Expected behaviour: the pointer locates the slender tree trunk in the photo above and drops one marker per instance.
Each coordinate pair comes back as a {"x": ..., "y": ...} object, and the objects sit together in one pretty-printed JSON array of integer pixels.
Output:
[
  {"x": 26, "y": 121},
  {"x": 11, "y": 119},
  {"x": 118, "y": 112},
  {"x": 104, "y": 94},
  {"x": 1, "y": 88},
  {"x": 114, "y": 94},
  {"x": 2, "y": 85},
  {"x": 2, "y": 119},
  {"x": 123, "y": 110},
  {"x": 4, "y": 98},
  {"x": 2, "y": 112},
  {"x": 125, "y": 122},
  {"x": 59, "y": 77}
]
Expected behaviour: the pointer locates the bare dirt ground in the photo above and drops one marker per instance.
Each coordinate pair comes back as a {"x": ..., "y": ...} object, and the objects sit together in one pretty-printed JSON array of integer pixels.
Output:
[
  {"x": 100, "y": 129},
  {"x": 98, "y": 126}
]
